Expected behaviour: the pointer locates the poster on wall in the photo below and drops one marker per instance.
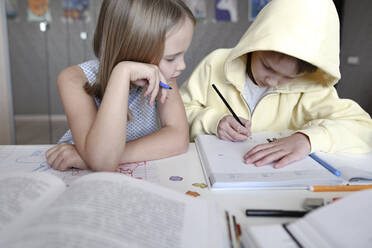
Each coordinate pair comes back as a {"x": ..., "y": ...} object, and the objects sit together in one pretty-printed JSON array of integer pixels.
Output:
[
  {"x": 227, "y": 10},
  {"x": 198, "y": 8},
  {"x": 75, "y": 10},
  {"x": 38, "y": 11},
  {"x": 11, "y": 7},
  {"x": 255, "y": 7}
]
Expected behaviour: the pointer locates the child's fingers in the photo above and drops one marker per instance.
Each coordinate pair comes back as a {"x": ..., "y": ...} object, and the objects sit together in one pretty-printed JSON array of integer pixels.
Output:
[
  {"x": 140, "y": 83},
  {"x": 52, "y": 154},
  {"x": 236, "y": 136},
  {"x": 225, "y": 136},
  {"x": 152, "y": 78},
  {"x": 290, "y": 158},
  {"x": 58, "y": 162},
  {"x": 155, "y": 87},
  {"x": 270, "y": 157},
  {"x": 150, "y": 86},
  {"x": 238, "y": 128},
  {"x": 259, "y": 151},
  {"x": 163, "y": 95}
]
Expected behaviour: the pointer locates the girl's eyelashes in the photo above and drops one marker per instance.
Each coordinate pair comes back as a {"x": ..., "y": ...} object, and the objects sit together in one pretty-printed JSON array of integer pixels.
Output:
[{"x": 170, "y": 59}]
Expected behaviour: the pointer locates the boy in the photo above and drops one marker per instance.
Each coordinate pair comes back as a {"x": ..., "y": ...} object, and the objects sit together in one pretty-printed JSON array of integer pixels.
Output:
[{"x": 280, "y": 76}]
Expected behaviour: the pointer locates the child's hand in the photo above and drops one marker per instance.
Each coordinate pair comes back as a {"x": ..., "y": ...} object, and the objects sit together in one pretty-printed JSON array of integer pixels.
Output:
[
  {"x": 281, "y": 152},
  {"x": 230, "y": 129},
  {"x": 64, "y": 156},
  {"x": 146, "y": 75}
]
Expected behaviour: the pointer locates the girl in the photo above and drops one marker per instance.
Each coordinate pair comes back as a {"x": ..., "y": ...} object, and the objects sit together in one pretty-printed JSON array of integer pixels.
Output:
[{"x": 139, "y": 43}]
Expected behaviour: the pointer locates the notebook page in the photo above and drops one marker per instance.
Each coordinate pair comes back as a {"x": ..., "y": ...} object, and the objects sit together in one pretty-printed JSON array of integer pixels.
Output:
[
  {"x": 224, "y": 160},
  {"x": 344, "y": 223}
]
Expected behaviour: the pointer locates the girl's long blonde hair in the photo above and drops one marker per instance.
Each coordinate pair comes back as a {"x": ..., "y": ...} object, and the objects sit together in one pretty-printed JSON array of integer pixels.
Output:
[{"x": 132, "y": 30}]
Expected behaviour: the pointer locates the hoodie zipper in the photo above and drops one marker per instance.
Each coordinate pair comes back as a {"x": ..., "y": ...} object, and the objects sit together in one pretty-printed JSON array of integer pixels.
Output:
[{"x": 263, "y": 96}]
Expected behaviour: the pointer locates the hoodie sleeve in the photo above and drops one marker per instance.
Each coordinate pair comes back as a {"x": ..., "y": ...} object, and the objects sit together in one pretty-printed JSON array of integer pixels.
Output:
[
  {"x": 202, "y": 117},
  {"x": 333, "y": 124}
]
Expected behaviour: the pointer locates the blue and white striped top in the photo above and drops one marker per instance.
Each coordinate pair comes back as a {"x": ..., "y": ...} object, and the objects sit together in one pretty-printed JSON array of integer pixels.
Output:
[{"x": 144, "y": 118}]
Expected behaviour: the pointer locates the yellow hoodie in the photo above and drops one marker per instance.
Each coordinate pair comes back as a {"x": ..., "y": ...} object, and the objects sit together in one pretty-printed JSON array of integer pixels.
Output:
[{"x": 308, "y": 30}]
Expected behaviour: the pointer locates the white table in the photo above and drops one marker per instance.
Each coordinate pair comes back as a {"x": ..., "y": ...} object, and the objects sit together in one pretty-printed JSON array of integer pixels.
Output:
[
  {"x": 235, "y": 201},
  {"x": 187, "y": 166}
]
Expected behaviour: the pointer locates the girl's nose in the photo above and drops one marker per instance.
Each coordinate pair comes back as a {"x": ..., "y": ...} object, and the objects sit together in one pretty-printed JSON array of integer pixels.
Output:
[{"x": 181, "y": 65}]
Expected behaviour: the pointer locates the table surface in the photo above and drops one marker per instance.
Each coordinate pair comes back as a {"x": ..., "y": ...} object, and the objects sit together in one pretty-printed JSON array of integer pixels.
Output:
[
  {"x": 235, "y": 201},
  {"x": 188, "y": 167}
]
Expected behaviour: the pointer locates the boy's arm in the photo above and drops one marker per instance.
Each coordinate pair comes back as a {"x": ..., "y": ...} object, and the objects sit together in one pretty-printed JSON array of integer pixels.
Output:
[
  {"x": 203, "y": 118},
  {"x": 334, "y": 124}
]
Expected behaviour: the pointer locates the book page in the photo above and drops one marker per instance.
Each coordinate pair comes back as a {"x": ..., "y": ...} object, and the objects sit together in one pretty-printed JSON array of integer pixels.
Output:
[
  {"x": 267, "y": 236},
  {"x": 225, "y": 166},
  {"x": 114, "y": 210},
  {"x": 344, "y": 223},
  {"x": 24, "y": 196}
]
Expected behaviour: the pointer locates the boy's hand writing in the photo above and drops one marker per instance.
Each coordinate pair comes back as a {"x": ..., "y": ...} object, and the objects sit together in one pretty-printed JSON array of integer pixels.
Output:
[
  {"x": 230, "y": 129},
  {"x": 64, "y": 156},
  {"x": 281, "y": 152}
]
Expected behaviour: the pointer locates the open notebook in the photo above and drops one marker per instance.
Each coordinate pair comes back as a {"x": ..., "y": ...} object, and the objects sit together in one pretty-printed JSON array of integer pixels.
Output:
[
  {"x": 342, "y": 224},
  {"x": 224, "y": 168}
]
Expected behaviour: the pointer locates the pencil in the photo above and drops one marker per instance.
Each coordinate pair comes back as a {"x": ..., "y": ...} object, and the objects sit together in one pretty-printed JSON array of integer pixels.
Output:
[
  {"x": 229, "y": 228},
  {"x": 325, "y": 164},
  {"x": 237, "y": 236},
  {"x": 330, "y": 188},
  {"x": 163, "y": 85},
  {"x": 227, "y": 105}
]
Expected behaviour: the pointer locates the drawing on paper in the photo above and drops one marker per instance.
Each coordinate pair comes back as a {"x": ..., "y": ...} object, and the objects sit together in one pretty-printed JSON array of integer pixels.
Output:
[
  {"x": 140, "y": 170},
  {"x": 200, "y": 185},
  {"x": 175, "y": 178},
  {"x": 192, "y": 193}
]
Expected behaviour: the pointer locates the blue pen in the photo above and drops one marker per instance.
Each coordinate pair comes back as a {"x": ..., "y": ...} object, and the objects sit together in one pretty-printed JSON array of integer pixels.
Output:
[
  {"x": 163, "y": 85},
  {"x": 325, "y": 164}
]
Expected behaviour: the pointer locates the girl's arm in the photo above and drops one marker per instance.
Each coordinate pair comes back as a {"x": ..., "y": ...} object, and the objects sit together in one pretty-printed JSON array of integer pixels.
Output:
[
  {"x": 96, "y": 133},
  {"x": 171, "y": 139},
  {"x": 99, "y": 136}
]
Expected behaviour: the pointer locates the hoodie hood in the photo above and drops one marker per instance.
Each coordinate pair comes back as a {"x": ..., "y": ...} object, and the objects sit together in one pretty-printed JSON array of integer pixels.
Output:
[{"x": 305, "y": 29}]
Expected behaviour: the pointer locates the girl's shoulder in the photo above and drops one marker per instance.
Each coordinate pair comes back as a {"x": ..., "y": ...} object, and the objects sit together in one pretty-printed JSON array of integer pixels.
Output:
[{"x": 90, "y": 69}]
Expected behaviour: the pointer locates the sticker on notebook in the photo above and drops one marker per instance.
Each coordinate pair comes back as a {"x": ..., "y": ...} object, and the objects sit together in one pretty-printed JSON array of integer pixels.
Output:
[
  {"x": 200, "y": 185},
  {"x": 176, "y": 178},
  {"x": 192, "y": 193}
]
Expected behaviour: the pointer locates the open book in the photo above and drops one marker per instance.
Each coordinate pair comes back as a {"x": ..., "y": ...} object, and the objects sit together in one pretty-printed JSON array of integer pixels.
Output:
[
  {"x": 223, "y": 166},
  {"x": 104, "y": 210},
  {"x": 342, "y": 224}
]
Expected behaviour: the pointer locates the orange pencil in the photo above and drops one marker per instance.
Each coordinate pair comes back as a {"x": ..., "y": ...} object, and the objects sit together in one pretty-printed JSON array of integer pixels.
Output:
[{"x": 329, "y": 188}]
